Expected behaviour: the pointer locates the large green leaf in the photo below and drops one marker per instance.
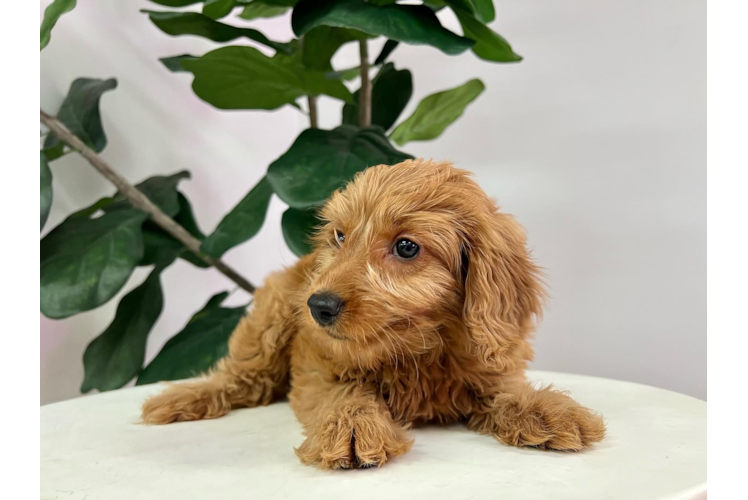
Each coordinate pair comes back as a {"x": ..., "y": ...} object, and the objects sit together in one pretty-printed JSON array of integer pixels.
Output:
[
  {"x": 488, "y": 44},
  {"x": 321, "y": 161},
  {"x": 51, "y": 14},
  {"x": 216, "y": 9},
  {"x": 193, "y": 23},
  {"x": 45, "y": 189},
  {"x": 174, "y": 63},
  {"x": 245, "y": 78},
  {"x": 197, "y": 347},
  {"x": 390, "y": 92},
  {"x": 321, "y": 43},
  {"x": 116, "y": 356},
  {"x": 80, "y": 113},
  {"x": 414, "y": 24},
  {"x": 257, "y": 10},
  {"x": 436, "y": 112},
  {"x": 298, "y": 226},
  {"x": 160, "y": 189},
  {"x": 85, "y": 262},
  {"x": 242, "y": 223}
]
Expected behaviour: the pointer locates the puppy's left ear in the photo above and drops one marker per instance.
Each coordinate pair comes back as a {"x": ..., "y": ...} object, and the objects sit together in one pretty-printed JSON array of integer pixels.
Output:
[{"x": 503, "y": 291}]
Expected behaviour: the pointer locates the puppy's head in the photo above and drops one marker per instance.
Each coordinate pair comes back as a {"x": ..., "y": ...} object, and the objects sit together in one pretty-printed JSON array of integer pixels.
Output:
[{"x": 407, "y": 250}]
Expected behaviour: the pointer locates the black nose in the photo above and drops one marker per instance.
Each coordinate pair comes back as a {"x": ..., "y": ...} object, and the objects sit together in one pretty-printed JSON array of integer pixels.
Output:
[{"x": 325, "y": 307}]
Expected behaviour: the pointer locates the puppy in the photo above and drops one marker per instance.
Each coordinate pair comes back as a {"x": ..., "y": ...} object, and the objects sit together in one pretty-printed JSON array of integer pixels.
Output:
[{"x": 416, "y": 305}]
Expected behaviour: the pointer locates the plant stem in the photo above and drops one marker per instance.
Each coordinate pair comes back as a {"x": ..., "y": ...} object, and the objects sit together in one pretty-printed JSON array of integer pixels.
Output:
[
  {"x": 313, "y": 117},
  {"x": 364, "y": 95},
  {"x": 140, "y": 200},
  {"x": 311, "y": 99}
]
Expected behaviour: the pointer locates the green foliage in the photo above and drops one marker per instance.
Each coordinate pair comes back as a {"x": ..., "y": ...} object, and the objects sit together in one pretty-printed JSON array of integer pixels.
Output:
[
  {"x": 158, "y": 245},
  {"x": 45, "y": 191},
  {"x": 80, "y": 113},
  {"x": 413, "y": 24},
  {"x": 298, "y": 226},
  {"x": 344, "y": 74},
  {"x": 86, "y": 260},
  {"x": 245, "y": 78},
  {"x": 192, "y": 23},
  {"x": 176, "y": 3},
  {"x": 242, "y": 223},
  {"x": 481, "y": 9},
  {"x": 321, "y": 43},
  {"x": 488, "y": 45},
  {"x": 436, "y": 112},
  {"x": 116, "y": 356},
  {"x": 51, "y": 14},
  {"x": 389, "y": 46},
  {"x": 216, "y": 9},
  {"x": 197, "y": 347},
  {"x": 334, "y": 156},
  {"x": 160, "y": 189},
  {"x": 391, "y": 91},
  {"x": 484, "y": 10},
  {"x": 257, "y": 10},
  {"x": 92, "y": 209},
  {"x": 174, "y": 63}
]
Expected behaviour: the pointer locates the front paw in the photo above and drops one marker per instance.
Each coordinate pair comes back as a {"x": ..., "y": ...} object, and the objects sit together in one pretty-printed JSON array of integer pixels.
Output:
[
  {"x": 183, "y": 402},
  {"x": 546, "y": 419},
  {"x": 354, "y": 438}
]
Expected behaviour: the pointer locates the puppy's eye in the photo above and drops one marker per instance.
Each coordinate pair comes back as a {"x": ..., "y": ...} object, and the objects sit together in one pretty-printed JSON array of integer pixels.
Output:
[
  {"x": 339, "y": 236},
  {"x": 405, "y": 249}
]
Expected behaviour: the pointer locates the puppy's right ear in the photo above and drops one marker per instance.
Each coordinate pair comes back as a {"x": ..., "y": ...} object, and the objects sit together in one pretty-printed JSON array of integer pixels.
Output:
[{"x": 502, "y": 289}]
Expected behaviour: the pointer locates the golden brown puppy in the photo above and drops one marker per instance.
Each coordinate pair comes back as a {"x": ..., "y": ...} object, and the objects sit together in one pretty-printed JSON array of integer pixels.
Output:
[{"x": 416, "y": 305}]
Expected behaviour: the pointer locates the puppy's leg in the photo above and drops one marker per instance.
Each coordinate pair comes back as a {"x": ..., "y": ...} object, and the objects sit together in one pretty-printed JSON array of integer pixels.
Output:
[
  {"x": 347, "y": 427},
  {"x": 524, "y": 416},
  {"x": 233, "y": 383},
  {"x": 256, "y": 369}
]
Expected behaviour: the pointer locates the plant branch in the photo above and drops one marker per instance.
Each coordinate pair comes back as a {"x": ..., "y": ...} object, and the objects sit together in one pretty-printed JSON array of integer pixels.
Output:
[
  {"x": 140, "y": 200},
  {"x": 311, "y": 99},
  {"x": 364, "y": 95},
  {"x": 313, "y": 116}
]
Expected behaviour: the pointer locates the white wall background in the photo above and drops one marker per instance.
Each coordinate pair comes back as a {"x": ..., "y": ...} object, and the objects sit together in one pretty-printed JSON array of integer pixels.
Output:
[{"x": 596, "y": 142}]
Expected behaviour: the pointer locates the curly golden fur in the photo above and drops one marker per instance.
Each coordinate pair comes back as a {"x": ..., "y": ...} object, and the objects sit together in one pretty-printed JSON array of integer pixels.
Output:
[{"x": 442, "y": 337}]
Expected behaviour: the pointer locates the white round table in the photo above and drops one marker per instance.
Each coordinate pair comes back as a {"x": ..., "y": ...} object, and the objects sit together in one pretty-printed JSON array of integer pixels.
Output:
[{"x": 93, "y": 448}]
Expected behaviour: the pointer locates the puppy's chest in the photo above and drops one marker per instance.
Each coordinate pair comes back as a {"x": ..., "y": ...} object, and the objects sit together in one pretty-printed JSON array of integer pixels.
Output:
[{"x": 426, "y": 392}]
